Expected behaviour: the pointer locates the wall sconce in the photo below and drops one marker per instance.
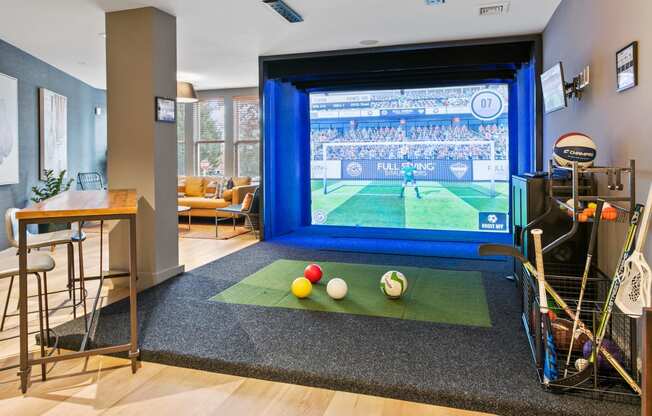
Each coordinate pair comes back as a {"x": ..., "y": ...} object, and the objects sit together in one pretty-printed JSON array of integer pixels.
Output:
[{"x": 575, "y": 88}]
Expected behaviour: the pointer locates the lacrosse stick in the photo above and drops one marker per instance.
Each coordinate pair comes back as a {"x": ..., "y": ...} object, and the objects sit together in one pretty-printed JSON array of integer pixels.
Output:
[{"x": 634, "y": 293}]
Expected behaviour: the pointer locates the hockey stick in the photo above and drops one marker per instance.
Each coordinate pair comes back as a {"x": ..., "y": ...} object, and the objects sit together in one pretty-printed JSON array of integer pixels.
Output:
[
  {"x": 634, "y": 293},
  {"x": 504, "y": 250},
  {"x": 550, "y": 360},
  {"x": 585, "y": 278}
]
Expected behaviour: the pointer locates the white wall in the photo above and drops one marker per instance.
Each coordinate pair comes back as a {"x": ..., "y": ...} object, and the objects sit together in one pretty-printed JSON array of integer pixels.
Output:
[{"x": 585, "y": 32}]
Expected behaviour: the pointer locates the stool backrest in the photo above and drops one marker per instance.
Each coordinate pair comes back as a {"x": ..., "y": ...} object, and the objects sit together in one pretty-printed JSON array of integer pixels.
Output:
[
  {"x": 254, "y": 207},
  {"x": 11, "y": 226},
  {"x": 90, "y": 181}
]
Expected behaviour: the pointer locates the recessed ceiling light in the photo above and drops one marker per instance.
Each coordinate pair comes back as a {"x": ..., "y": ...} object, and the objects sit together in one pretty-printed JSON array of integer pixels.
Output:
[
  {"x": 284, "y": 10},
  {"x": 369, "y": 42}
]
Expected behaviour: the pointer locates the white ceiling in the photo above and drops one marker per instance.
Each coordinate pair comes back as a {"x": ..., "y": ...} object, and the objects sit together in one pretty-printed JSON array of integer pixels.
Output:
[{"x": 219, "y": 41}]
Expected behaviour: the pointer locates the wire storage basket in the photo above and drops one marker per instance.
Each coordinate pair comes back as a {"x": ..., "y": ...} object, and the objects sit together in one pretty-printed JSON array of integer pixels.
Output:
[{"x": 620, "y": 339}]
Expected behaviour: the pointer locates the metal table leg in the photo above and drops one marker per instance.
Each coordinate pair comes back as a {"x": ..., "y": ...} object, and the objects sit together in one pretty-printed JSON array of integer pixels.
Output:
[
  {"x": 22, "y": 304},
  {"x": 133, "y": 309}
]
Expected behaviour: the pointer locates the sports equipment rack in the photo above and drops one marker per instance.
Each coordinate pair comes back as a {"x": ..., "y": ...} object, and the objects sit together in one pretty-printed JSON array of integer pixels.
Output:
[{"x": 568, "y": 188}]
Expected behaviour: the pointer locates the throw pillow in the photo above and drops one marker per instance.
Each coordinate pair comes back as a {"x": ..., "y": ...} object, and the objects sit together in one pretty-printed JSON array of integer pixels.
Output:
[
  {"x": 246, "y": 203},
  {"x": 219, "y": 190},
  {"x": 181, "y": 186},
  {"x": 227, "y": 195},
  {"x": 230, "y": 184},
  {"x": 209, "y": 189},
  {"x": 242, "y": 181},
  {"x": 195, "y": 186}
]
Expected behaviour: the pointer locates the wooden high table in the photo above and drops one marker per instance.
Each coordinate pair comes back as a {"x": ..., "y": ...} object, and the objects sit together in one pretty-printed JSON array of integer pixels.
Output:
[{"x": 68, "y": 207}]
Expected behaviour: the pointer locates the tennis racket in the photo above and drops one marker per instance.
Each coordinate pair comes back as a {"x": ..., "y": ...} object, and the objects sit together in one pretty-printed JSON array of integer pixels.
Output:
[{"x": 634, "y": 293}]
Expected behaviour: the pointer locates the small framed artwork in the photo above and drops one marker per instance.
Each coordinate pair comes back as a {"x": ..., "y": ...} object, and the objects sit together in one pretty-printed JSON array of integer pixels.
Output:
[
  {"x": 627, "y": 67},
  {"x": 166, "y": 110}
]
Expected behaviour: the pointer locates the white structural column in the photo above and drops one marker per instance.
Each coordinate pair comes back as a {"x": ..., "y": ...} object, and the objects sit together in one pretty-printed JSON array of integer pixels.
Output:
[{"x": 142, "y": 153}]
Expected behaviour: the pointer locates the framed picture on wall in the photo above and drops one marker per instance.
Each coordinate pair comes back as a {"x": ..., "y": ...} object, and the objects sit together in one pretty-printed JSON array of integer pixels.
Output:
[
  {"x": 627, "y": 67},
  {"x": 9, "y": 173},
  {"x": 53, "y": 118},
  {"x": 166, "y": 110}
]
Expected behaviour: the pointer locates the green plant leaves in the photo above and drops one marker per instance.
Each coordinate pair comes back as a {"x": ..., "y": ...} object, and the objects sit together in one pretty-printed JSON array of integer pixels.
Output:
[{"x": 52, "y": 185}]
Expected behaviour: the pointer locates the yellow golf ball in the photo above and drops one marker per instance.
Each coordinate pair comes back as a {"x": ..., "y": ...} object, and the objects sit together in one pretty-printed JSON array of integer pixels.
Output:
[{"x": 301, "y": 287}]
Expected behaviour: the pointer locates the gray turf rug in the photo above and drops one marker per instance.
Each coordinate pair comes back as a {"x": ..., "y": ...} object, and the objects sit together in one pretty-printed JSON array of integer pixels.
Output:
[{"x": 484, "y": 369}]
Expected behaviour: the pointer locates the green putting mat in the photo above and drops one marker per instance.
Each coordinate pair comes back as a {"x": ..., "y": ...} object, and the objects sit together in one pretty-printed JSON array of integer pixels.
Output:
[{"x": 444, "y": 296}]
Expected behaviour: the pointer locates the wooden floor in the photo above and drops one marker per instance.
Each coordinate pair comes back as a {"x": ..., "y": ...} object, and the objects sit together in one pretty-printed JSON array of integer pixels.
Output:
[{"x": 105, "y": 385}]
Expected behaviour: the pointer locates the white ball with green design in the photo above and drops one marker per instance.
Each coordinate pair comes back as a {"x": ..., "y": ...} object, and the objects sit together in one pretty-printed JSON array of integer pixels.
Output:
[{"x": 393, "y": 284}]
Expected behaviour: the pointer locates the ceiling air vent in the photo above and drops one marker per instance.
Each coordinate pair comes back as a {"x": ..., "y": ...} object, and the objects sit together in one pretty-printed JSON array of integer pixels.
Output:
[
  {"x": 495, "y": 9},
  {"x": 435, "y": 2},
  {"x": 284, "y": 10}
]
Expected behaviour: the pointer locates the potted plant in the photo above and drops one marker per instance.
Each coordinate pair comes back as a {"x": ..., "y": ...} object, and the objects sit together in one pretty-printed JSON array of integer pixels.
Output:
[{"x": 52, "y": 185}]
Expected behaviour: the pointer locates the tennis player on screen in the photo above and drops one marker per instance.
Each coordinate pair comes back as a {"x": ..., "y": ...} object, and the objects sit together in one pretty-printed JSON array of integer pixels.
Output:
[{"x": 409, "y": 178}]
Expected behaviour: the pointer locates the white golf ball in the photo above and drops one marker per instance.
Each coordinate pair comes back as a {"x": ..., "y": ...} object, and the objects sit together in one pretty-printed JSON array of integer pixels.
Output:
[
  {"x": 337, "y": 288},
  {"x": 581, "y": 363}
]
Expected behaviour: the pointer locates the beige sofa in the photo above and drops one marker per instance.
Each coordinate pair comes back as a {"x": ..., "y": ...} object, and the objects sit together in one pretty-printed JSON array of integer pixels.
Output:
[{"x": 198, "y": 193}]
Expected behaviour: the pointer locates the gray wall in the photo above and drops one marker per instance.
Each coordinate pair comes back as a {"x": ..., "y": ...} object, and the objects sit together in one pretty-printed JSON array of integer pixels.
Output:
[
  {"x": 585, "y": 32},
  {"x": 86, "y": 132}
]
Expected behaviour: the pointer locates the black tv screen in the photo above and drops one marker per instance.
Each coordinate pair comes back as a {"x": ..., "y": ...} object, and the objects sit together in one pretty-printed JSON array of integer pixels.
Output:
[{"x": 552, "y": 84}]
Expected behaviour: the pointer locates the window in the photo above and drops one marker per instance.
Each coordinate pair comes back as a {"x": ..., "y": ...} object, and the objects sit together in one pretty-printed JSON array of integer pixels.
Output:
[
  {"x": 247, "y": 135},
  {"x": 209, "y": 137},
  {"x": 181, "y": 139},
  {"x": 210, "y": 158},
  {"x": 248, "y": 159}
]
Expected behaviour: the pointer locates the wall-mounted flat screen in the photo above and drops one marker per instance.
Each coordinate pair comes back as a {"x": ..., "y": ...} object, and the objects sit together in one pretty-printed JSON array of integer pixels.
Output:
[
  {"x": 554, "y": 90},
  {"x": 426, "y": 159}
]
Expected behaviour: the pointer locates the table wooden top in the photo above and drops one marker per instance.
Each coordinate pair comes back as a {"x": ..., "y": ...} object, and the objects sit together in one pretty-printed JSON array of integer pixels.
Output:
[{"x": 83, "y": 203}]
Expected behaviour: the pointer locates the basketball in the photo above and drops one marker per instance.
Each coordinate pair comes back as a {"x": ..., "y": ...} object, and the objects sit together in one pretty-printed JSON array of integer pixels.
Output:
[
  {"x": 574, "y": 147},
  {"x": 301, "y": 287},
  {"x": 337, "y": 288},
  {"x": 313, "y": 273},
  {"x": 393, "y": 284}
]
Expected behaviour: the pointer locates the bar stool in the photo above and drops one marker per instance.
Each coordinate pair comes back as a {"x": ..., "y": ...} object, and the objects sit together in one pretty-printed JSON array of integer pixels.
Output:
[
  {"x": 37, "y": 263},
  {"x": 53, "y": 239}
]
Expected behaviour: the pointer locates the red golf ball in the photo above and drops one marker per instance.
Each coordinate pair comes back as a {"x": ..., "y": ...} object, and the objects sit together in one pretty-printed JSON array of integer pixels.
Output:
[{"x": 313, "y": 273}]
